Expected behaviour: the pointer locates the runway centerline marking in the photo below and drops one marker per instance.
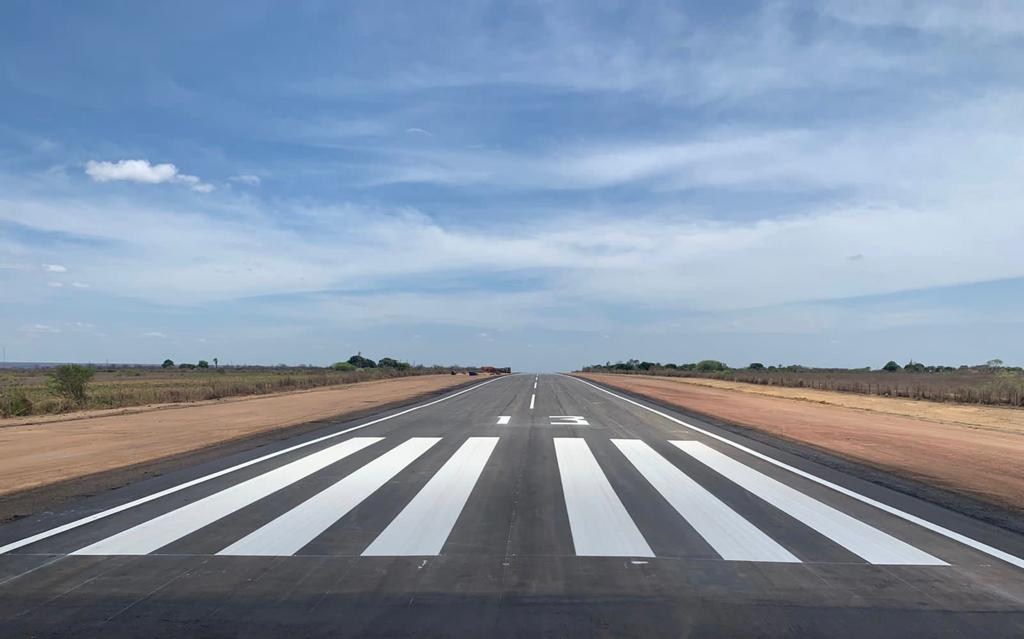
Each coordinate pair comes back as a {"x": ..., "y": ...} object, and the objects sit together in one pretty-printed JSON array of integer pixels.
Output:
[
  {"x": 504, "y": 419},
  {"x": 46, "y": 534},
  {"x": 533, "y": 398},
  {"x": 991, "y": 551}
]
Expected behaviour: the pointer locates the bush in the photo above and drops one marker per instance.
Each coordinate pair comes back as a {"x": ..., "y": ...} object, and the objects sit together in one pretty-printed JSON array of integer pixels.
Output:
[
  {"x": 168, "y": 363},
  {"x": 388, "y": 362},
  {"x": 70, "y": 381},
  {"x": 186, "y": 365},
  {"x": 14, "y": 403},
  {"x": 756, "y": 366},
  {"x": 362, "y": 362},
  {"x": 891, "y": 366},
  {"x": 343, "y": 366},
  {"x": 203, "y": 364},
  {"x": 711, "y": 365}
]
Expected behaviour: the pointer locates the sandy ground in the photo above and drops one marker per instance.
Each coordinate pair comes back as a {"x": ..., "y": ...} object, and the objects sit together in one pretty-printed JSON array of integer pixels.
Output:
[
  {"x": 975, "y": 451},
  {"x": 53, "y": 450}
]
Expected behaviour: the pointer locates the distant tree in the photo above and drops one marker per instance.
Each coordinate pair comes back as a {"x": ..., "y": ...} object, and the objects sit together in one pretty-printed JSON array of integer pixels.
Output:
[
  {"x": 70, "y": 381},
  {"x": 711, "y": 365},
  {"x": 203, "y": 364},
  {"x": 216, "y": 362},
  {"x": 914, "y": 367},
  {"x": 673, "y": 366},
  {"x": 646, "y": 366},
  {"x": 994, "y": 363},
  {"x": 168, "y": 363},
  {"x": 891, "y": 366},
  {"x": 388, "y": 362},
  {"x": 186, "y": 365},
  {"x": 359, "y": 361},
  {"x": 343, "y": 366},
  {"x": 756, "y": 366}
]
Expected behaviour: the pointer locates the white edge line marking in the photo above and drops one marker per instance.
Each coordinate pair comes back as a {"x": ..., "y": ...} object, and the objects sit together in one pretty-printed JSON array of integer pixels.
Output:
[
  {"x": 46, "y": 534},
  {"x": 924, "y": 523}
]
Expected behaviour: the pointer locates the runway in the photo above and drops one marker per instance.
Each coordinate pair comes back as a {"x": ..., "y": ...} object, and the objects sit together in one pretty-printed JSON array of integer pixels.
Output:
[{"x": 527, "y": 505}]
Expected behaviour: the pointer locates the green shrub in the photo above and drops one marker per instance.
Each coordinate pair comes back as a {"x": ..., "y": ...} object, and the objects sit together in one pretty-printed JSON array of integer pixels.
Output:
[
  {"x": 343, "y": 366},
  {"x": 70, "y": 381},
  {"x": 711, "y": 365},
  {"x": 168, "y": 363},
  {"x": 14, "y": 403}
]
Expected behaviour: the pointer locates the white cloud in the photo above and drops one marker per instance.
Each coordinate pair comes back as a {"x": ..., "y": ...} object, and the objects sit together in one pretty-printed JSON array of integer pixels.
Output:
[
  {"x": 249, "y": 180},
  {"x": 154, "y": 334},
  {"x": 144, "y": 172},
  {"x": 80, "y": 285},
  {"x": 40, "y": 328},
  {"x": 416, "y": 129},
  {"x": 55, "y": 284},
  {"x": 54, "y": 268}
]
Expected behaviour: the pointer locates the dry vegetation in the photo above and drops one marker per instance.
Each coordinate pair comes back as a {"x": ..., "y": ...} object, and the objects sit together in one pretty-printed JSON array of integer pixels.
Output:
[
  {"x": 969, "y": 385},
  {"x": 29, "y": 391}
]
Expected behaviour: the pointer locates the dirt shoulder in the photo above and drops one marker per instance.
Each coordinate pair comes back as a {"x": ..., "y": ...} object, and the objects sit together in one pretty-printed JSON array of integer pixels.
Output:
[
  {"x": 974, "y": 452},
  {"x": 52, "y": 452}
]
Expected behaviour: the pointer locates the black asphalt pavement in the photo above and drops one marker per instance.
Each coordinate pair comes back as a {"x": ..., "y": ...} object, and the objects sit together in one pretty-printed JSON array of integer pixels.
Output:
[{"x": 524, "y": 506}]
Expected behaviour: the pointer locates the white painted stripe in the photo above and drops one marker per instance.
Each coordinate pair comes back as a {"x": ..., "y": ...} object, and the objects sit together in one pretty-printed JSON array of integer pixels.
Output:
[
  {"x": 287, "y": 534},
  {"x": 600, "y": 525},
  {"x": 850, "y": 533},
  {"x": 535, "y": 385},
  {"x": 423, "y": 526},
  {"x": 732, "y": 536},
  {"x": 160, "y": 531},
  {"x": 504, "y": 419},
  {"x": 991, "y": 551},
  {"x": 533, "y": 398},
  {"x": 46, "y": 534}
]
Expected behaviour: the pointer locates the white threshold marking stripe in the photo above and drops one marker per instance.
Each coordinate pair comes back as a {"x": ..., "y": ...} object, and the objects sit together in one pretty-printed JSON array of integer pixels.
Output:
[
  {"x": 991, "y": 551},
  {"x": 504, "y": 419},
  {"x": 732, "y": 536},
  {"x": 423, "y": 526},
  {"x": 600, "y": 525},
  {"x": 46, "y": 534},
  {"x": 533, "y": 398},
  {"x": 850, "y": 533},
  {"x": 287, "y": 534},
  {"x": 160, "y": 531}
]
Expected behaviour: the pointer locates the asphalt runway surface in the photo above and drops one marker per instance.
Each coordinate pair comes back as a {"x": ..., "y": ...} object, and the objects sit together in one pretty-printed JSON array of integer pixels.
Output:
[{"x": 523, "y": 506}]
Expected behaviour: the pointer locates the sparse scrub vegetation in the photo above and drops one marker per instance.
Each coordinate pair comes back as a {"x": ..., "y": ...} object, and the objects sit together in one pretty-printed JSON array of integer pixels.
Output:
[
  {"x": 990, "y": 383},
  {"x": 45, "y": 391}
]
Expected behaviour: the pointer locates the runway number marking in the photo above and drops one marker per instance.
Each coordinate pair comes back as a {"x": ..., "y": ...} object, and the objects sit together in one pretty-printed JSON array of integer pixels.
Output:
[{"x": 568, "y": 420}]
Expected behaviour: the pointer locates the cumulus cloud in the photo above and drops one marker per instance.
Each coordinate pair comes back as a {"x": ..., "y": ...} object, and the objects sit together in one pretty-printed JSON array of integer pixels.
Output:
[{"x": 143, "y": 172}]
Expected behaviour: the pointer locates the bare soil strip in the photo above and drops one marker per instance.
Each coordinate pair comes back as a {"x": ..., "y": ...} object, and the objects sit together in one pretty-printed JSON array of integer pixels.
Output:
[
  {"x": 52, "y": 452},
  {"x": 974, "y": 452}
]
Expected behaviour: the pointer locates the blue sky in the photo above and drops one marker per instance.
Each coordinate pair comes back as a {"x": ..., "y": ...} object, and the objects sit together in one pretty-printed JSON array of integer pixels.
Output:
[{"x": 541, "y": 185}]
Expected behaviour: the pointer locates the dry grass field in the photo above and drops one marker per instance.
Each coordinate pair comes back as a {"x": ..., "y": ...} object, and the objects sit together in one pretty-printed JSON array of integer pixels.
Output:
[
  {"x": 975, "y": 385},
  {"x": 27, "y": 392}
]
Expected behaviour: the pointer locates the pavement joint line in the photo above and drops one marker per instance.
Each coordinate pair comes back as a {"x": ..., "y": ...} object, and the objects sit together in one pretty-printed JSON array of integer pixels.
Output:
[
  {"x": 892, "y": 510},
  {"x": 46, "y": 534}
]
